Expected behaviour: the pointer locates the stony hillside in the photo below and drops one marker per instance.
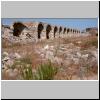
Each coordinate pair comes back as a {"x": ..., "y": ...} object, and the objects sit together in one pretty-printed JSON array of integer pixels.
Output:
[
  {"x": 73, "y": 58},
  {"x": 68, "y": 55}
]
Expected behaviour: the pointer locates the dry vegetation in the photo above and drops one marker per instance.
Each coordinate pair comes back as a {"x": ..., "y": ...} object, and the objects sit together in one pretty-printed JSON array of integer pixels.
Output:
[{"x": 38, "y": 63}]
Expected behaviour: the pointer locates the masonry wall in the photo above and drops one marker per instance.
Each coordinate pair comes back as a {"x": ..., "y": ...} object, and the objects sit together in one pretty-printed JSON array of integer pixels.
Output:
[{"x": 42, "y": 30}]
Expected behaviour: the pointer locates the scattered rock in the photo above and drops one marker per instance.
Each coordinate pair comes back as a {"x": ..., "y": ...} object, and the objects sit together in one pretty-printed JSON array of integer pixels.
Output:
[
  {"x": 17, "y": 56},
  {"x": 85, "y": 56},
  {"x": 5, "y": 53},
  {"x": 79, "y": 54},
  {"x": 79, "y": 42},
  {"x": 49, "y": 55},
  {"x": 76, "y": 60},
  {"x": 8, "y": 59},
  {"x": 58, "y": 60},
  {"x": 5, "y": 59},
  {"x": 42, "y": 55}
]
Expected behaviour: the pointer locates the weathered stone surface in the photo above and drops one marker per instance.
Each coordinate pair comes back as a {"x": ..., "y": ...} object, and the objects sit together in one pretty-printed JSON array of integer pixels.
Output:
[
  {"x": 8, "y": 59},
  {"x": 34, "y": 31}
]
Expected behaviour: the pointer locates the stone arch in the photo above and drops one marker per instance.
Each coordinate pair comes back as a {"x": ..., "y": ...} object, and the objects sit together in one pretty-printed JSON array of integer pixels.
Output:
[
  {"x": 64, "y": 30},
  {"x": 40, "y": 29},
  {"x": 73, "y": 30},
  {"x": 48, "y": 29},
  {"x": 60, "y": 29},
  {"x": 76, "y": 31},
  {"x": 18, "y": 28},
  {"x": 55, "y": 30},
  {"x": 68, "y": 30}
]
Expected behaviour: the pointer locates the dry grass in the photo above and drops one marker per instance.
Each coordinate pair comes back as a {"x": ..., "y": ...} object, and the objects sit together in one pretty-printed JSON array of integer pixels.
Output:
[
  {"x": 88, "y": 42},
  {"x": 70, "y": 72}
]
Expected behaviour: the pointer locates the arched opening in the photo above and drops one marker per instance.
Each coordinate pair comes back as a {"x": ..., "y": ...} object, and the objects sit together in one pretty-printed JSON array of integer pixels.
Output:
[
  {"x": 68, "y": 30},
  {"x": 18, "y": 28},
  {"x": 60, "y": 29},
  {"x": 64, "y": 30},
  {"x": 55, "y": 30},
  {"x": 73, "y": 31},
  {"x": 48, "y": 29},
  {"x": 40, "y": 28}
]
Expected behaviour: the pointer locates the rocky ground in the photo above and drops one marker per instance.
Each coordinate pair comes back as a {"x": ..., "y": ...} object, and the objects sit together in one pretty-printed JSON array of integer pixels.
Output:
[{"x": 76, "y": 58}]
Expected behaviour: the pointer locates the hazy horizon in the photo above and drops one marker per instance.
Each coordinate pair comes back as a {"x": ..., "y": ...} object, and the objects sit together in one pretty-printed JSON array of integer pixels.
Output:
[{"x": 78, "y": 23}]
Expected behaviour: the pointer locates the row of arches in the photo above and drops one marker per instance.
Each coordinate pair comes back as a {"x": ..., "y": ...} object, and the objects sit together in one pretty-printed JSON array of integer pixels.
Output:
[
  {"x": 55, "y": 30},
  {"x": 19, "y": 27}
]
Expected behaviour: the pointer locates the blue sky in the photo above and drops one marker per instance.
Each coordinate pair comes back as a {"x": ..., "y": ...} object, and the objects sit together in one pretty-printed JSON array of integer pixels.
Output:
[{"x": 79, "y": 23}]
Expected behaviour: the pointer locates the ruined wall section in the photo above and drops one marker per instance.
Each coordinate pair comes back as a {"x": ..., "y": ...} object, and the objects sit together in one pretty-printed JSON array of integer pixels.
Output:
[
  {"x": 35, "y": 31},
  {"x": 40, "y": 30}
]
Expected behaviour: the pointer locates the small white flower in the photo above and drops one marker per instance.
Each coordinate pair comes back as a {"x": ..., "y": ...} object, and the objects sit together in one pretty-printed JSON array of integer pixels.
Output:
[
  {"x": 79, "y": 54},
  {"x": 27, "y": 70},
  {"x": 28, "y": 65},
  {"x": 85, "y": 56},
  {"x": 46, "y": 47}
]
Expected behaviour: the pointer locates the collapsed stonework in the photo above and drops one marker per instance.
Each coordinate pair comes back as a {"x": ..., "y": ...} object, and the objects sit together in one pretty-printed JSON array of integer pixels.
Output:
[
  {"x": 43, "y": 29},
  {"x": 39, "y": 30}
]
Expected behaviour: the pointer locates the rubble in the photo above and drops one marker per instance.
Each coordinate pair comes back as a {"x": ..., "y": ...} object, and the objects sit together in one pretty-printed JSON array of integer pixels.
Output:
[
  {"x": 8, "y": 59},
  {"x": 17, "y": 56},
  {"x": 67, "y": 55}
]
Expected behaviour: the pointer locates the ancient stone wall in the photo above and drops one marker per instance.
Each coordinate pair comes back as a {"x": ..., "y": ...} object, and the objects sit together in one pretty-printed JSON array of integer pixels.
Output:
[{"x": 41, "y": 30}]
